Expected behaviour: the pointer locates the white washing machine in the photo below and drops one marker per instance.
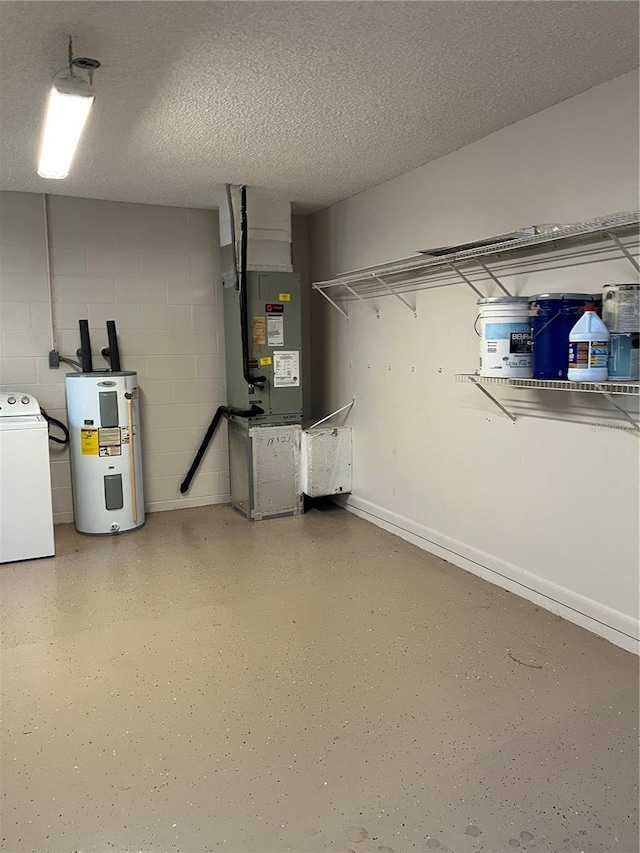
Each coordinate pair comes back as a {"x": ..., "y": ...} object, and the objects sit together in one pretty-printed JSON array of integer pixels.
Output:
[{"x": 26, "y": 514}]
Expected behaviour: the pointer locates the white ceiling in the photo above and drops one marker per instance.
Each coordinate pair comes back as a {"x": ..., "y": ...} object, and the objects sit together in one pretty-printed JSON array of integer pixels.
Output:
[{"x": 313, "y": 101}]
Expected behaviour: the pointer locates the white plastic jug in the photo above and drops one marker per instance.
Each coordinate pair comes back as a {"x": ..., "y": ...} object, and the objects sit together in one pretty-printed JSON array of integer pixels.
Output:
[{"x": 588, "y": 349}]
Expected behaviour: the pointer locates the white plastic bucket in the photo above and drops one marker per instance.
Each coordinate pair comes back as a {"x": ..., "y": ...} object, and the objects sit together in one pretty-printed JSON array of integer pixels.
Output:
[{"x": 504, "y": 328}]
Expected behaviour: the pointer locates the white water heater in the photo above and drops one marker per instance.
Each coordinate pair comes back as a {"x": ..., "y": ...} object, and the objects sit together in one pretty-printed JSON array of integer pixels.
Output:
[{"x": 106, "y": 459}]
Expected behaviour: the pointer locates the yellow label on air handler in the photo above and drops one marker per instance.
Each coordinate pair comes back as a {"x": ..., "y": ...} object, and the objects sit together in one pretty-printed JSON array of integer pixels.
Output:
[
  {"x": 89, "y": 442},
  {"x": 284, "y": 297},
  {"x": 265, "y": 362}
]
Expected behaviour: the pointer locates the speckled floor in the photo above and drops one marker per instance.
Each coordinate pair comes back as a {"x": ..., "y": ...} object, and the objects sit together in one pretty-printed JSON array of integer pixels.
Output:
[{"x": 304, "y": 684}]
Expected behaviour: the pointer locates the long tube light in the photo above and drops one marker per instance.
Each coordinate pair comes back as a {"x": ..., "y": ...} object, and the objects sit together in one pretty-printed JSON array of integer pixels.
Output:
[{"x": 68, "y": 107}]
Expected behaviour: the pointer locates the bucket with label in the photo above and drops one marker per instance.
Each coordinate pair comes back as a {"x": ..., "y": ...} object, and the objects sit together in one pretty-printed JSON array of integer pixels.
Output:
[
  {"x": 621, "y": 308},
  {"x": 624, "y": 357},
  {"x": 553, "y": 315},
  {"x": 621, "y": 314},
  {"x": 505, "y": 337}
]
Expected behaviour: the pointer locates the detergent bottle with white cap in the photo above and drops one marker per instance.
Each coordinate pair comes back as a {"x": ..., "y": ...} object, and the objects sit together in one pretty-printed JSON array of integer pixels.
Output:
[{"x": 588, "y": 349}]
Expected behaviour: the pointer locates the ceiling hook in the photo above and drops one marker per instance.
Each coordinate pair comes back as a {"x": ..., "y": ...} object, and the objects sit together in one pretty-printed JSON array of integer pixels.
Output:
[{"x": 84, "y": 63}]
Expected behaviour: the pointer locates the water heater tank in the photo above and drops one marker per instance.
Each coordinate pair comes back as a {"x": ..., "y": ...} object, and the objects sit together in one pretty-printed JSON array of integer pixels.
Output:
[{"x": 106, "y": 459}]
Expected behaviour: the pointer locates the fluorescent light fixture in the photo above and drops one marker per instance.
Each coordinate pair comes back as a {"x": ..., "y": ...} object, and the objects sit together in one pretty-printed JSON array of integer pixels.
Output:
[{"x": 67, "y": 111}]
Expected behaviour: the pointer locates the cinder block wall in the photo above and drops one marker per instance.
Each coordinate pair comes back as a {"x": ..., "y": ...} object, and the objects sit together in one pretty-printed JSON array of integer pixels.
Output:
[{"x": 155, "y": 271}]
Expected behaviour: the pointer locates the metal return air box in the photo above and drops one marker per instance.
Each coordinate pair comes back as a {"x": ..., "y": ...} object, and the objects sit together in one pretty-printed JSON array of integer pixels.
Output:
[{"x": 265, "y": 469}]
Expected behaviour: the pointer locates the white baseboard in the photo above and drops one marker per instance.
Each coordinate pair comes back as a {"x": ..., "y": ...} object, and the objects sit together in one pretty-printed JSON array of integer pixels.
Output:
[
  {"x": 618, "y": 628},
  {"x": 160, "y": 506},
  {"x": 184, "y": 503}
]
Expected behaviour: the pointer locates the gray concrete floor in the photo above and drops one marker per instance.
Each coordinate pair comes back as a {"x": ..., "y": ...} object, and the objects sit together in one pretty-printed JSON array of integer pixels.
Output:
[{"x": 303, "y": 684}]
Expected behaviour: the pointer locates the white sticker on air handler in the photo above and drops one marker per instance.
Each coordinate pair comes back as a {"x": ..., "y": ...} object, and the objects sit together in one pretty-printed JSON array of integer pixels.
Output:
[
  {"x": 275, "y": 330},
  {"x": 286, "y": 369}
]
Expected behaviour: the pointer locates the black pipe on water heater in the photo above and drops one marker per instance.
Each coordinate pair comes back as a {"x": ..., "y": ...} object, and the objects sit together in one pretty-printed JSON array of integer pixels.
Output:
[
  {"x": 112, "y": 352},
  {"x": 84, "y": 353}
]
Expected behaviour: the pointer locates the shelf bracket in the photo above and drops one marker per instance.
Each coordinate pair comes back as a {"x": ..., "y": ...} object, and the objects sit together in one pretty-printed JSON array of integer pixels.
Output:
[
  {"x": 622, "y": 411},
  {"x": 328, "y": 298},
  {"x": 399, "y": 296},
  {"x": 465, "y": 279},
  {"x": 374, "y": 306},
  {"x": 480, "y": 387},
  {"x": 623, "y": 249},
  {"x": 491, "y": 275}
]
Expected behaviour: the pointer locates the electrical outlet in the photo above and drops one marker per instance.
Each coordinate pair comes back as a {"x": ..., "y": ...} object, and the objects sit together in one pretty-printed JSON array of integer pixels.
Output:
[{"x": 54, "y": 359}]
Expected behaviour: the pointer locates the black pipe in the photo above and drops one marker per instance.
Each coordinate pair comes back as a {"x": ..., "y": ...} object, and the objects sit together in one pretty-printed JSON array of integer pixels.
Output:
[
  {"x": 244, "y": 321},
  {"x": 184, "y": 486},
  {"x": 84, "y": 352},
  {"x": 220, "y": 412},
  {"x": 59, "y": 424},
  {"x": 112, "y": 352}
]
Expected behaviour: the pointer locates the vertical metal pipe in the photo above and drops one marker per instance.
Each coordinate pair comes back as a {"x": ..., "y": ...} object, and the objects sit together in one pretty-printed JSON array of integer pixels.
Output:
[{"x": 132, "y": 460}]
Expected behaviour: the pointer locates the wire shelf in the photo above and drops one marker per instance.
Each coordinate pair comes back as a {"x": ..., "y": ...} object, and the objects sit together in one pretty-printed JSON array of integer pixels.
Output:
[
  {"x": 411, "y": 274},
  {"x": 630, "y": 389}
]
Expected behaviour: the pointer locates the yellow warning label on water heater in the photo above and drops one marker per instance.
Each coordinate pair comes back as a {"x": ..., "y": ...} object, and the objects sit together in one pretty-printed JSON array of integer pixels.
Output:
[
  {"x": 265, "y": 362},
  {"x": 284, "y": 297},
  {"x": 89, "y": 442}
]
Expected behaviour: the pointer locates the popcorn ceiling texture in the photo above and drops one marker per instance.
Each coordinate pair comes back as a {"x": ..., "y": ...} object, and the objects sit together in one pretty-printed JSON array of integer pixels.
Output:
[{"x": 311, "y": 101}]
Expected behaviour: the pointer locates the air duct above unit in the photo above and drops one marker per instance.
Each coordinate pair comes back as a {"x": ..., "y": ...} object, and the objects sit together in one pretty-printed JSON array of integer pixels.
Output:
[{"x": 269, "y": 234}]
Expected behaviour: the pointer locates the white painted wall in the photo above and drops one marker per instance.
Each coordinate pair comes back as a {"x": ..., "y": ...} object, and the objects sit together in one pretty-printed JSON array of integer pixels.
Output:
[
  {"x": 155, "y": 271},
  {"x": 548, "y": 508}
]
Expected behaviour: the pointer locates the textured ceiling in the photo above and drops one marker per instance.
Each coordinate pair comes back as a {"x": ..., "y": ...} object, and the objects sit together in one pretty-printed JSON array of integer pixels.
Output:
[{"x": 313, "y": 101}]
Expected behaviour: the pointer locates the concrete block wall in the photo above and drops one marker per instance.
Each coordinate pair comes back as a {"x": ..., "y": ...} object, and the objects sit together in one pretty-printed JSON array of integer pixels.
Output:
[{"x": 155, "y": 271}]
